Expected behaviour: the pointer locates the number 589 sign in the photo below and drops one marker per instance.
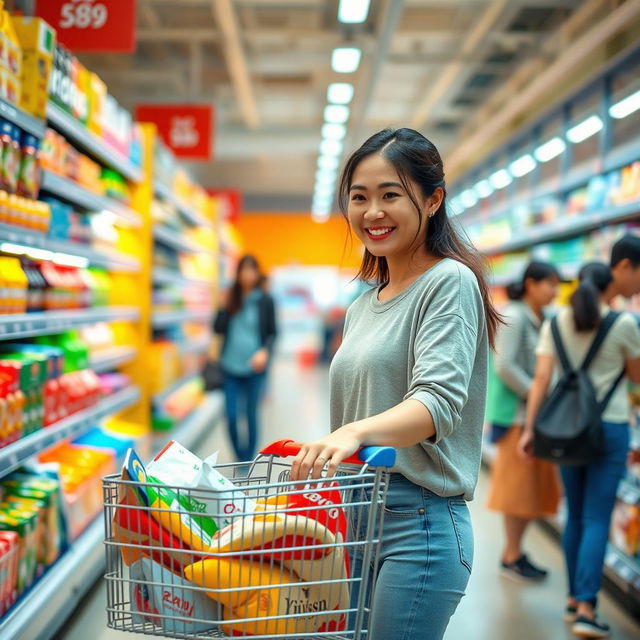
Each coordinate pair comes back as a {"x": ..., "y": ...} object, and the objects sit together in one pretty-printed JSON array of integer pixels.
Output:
[{"x": 92, "y": 25}]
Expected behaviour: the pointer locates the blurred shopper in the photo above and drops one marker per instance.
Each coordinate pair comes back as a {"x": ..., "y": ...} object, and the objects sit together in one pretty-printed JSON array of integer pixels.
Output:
[
  {"x": 247, "y": 321},
  {"x": 625, "y": 267},
  {"x": 411, "y": 373},
  {"x": 521, "y": 492},
  {"x": 590, "y": 489}
]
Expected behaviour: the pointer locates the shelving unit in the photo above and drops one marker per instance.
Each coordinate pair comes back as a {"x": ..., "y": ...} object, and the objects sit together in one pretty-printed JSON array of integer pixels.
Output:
[
  {"x": 159, "y": 398},
  {"x": 172, "y": 238},
  {"x": 163, "y": 191},
  {"x": 164, "y": 319},
  {"x": 112, "y": 359},
  {"x": 26, "y": 325},
  {"x": 26, "y": 122},
  {"x": 77, "y": 133},
  {"x": 171, "y": 276},
  {"x": 20, "y": 451},
  {"x": 80, "y": 196},
  {"x": 112, "y": 260},
  {"x": 195, "y": 346},
  {"x": 41, "y": 612}
]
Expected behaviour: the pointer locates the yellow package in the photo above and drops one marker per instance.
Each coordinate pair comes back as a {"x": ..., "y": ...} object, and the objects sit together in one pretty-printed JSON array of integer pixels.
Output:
[
  {"x": 276, "y": 592},
  {"x": 97, "y": 97},
  {"x": 35, "y": 83}
]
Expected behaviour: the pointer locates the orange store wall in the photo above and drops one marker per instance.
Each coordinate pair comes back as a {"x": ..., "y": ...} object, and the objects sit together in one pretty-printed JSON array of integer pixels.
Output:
[{"x": 278, "y": 239}]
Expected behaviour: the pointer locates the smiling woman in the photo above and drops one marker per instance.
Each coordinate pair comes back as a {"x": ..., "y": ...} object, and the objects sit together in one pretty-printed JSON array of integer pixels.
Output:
[{"x": 411, "y": 373}]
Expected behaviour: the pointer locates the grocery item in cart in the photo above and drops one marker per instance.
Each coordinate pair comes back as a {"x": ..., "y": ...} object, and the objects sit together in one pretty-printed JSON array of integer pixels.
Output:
[
  {"x": 156, "y": 590},
  {"x": 277, "y": 591}
]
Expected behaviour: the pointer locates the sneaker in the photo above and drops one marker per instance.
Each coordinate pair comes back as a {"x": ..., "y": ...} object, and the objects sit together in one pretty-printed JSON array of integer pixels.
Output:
[
  {"x": 543, "y": 572},
  {"x": 590, "y": 628},
  {"x": 522, "y": 571},
  {"x": 570, "y": 613}
]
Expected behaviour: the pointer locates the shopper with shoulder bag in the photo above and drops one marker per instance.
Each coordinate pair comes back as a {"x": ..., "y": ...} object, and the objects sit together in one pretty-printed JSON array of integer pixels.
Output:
[
  {"x": 587, "y": 415},
  {"x": 247, "y": 322},
  {"x": 522, "y": 493}
]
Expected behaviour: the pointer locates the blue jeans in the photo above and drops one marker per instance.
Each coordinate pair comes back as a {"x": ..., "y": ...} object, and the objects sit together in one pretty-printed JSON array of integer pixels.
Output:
[
  {"x": 242, "y": 394},
  {"x": 425, "y": 563},
  {"x": 591, "y": 494}
]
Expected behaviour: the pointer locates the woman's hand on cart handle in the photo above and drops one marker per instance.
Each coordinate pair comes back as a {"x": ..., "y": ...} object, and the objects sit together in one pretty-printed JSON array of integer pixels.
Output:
[{"x": 328, "y": 452}]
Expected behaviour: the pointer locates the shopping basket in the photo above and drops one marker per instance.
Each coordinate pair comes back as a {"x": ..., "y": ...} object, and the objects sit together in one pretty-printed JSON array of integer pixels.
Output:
[{"x": 293, "y": 560}]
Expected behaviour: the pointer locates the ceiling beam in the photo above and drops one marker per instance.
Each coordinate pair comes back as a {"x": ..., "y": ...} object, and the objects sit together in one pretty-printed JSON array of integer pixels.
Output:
[
  {"x": 236, "y": 61},
  {"x": 448, "y": 76},
  {"x": 550, "y": 78}
]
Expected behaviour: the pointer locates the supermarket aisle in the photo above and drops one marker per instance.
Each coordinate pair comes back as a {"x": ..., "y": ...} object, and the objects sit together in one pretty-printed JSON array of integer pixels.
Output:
[{"x": 494, "y": 608}]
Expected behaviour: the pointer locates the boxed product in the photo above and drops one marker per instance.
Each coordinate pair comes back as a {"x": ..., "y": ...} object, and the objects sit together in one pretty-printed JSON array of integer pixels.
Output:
[
  {"x": 10, "y": 59},
  {"x": 8, "y": 569},
  {"x": 38, "y": 41}
]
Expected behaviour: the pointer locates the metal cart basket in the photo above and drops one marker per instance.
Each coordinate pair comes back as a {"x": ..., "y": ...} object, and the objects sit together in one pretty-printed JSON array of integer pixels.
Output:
[{"x": 288, "y": 560}]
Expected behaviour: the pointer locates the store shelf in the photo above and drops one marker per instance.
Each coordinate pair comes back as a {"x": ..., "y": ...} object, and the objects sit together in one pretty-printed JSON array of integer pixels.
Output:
[
  {"x": 77, "y": 133},
  {"x": 629, "y": 492},
  {"x": 200, "y": 345},
  {"x": 166, "y": 193},
  {"x": 80, "y": 196},
  {"x": 159, "y": 398},
  {"x": 26, "y": 122},
  {"x": 566, "y": 226},
  {"x": 43, "y": 610},
  {"x": 164, "y": 319},
  {"x": 623, "y": 570},
  {"x": 19, "y": 452},
  {"x": 112, "y": 358},
  {"x": 173, "y": 239},
  {"x": 25, "y": 325},
  {"x": 172, "y": 276},
  {"x": 112, "y": 260}
]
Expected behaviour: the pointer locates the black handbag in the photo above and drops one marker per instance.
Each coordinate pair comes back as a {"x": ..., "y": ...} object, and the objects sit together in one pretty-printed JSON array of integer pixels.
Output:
[
  {"x": 568, "y": 428},
  {"x": 213, "y": 375}
]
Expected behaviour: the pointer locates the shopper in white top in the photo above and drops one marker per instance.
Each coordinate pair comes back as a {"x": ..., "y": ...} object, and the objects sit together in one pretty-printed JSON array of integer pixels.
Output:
[{"x": 590, "y": 489}]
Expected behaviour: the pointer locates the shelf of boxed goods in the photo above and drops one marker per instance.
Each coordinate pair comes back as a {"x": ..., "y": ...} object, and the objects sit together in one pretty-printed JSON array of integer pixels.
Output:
[
  {"x": 42, "y": 611},
  {"x": 77, "y": 133},
  {"x": 15, "y": 454},
  {"x": 166, "y": 193},
  {"x": 173, "y": 239},
  {"x": 112, "y": 260},
  {"x": 164, "y": 319},
  {"x": 160, "y": 397},
  {"x": 112, "y": 358},
  {"x": 25, "y": 325},
  {"x": 566, "y": 226},
  {"x": 80, "y": 196},
  {"x": 26, "y": 122},
  {"x": 162, "y": 275}
]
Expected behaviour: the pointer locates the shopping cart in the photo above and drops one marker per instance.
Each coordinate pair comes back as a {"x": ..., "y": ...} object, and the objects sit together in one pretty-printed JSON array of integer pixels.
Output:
[{"x": 295, "y": 560}]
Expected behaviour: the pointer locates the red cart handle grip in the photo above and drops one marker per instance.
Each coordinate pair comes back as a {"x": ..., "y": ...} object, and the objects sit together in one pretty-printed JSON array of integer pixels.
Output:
[{"x": 371, "y": 456}]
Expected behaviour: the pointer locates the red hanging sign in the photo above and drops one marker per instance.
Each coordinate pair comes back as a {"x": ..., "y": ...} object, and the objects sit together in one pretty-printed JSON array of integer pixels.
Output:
[
  {"x": 92, "y": 25},
  {"x": 187, "y": 129}
]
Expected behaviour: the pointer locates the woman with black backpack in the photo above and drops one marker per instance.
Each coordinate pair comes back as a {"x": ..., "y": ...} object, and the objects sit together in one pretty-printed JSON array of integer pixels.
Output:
[{"x": 590, "y": 488}]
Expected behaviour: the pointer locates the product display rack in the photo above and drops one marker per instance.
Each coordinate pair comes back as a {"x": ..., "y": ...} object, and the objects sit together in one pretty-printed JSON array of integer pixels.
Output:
[
  {"x": 164, "y": 319},
  {"x": 77, "y": 133},
  {"x": 78, "y": 195},
  {"x": 26, "y": 122},
  {"x": 172, "y": 276},
  {"x": 44, "y": 323},
  {"x": 74, "y": 425},
  {"x": 195, "y": 346},
  {"x": 41, "y": 612},
  {"x": 172, "y": 238},
  {"x": 112, "y": 260},
  {"x": 112, "y": 358},
  {"x": 160, "y": 397},
  {"x": 163, "y": 191}
]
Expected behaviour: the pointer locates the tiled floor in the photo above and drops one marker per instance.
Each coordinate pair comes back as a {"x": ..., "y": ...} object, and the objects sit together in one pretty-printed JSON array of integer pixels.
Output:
[{"x": 494, "y": 608}]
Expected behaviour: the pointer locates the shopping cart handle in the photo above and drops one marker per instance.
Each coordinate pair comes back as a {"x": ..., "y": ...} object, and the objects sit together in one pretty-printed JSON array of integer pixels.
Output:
[{"x": 371, "y": 456}]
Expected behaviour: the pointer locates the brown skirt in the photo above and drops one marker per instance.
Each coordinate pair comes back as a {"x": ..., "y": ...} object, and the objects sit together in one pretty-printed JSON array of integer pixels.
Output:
[{"x": 525, "y": 489}]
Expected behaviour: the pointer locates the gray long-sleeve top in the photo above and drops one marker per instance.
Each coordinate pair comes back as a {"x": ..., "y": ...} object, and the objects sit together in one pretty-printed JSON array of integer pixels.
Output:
[
  {"x": 515, "y": 356},
  {"x": 428, "y": 343}
]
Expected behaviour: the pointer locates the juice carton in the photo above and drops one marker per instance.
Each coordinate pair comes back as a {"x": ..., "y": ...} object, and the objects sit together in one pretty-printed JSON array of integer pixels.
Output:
[
  {"x": 39, "y": 510},
  {"x": 8, "y": 569},
  {"x": 23, "y": 528}
]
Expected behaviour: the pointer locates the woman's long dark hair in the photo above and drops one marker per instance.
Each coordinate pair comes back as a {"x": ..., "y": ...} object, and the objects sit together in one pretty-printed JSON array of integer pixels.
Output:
[
  {"x": 536, "y": 271},
  {"x": 416, "y": 159},
  {"x": 594, "y": 278},
  {"x": 236, "y": 297}
]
